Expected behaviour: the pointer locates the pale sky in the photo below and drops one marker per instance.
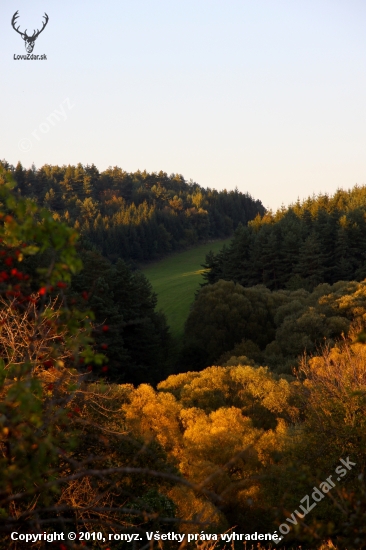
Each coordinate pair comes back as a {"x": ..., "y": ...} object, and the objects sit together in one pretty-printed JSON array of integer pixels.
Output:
[{"x": 265, "y": 95}]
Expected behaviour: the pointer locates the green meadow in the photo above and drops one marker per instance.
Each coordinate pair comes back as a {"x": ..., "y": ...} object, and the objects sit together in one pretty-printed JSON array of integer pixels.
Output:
[{"x": 175, "y": 280}]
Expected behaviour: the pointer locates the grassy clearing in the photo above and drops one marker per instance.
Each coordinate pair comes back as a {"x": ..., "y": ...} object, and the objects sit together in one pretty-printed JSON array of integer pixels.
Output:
[{"x": 176, "y": 278}]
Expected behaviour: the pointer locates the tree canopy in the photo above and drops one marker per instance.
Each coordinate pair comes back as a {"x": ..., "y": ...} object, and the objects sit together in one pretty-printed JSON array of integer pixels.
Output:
[
  {"x": 136, "y": 216},
  {"x": 230, "y": 323},
  {"x": 321, "y": 240}
]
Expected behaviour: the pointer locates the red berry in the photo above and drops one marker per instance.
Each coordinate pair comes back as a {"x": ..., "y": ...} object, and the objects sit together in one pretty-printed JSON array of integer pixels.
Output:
[
  {"x": 42, "y": 291},
  {"x": 61, "y": 284},
  {"x": 89, "y": 368},
  {"x": 105, "y": 369},
  {"x": 104, "y": 346},
  {"x": 105, "y": 328}
]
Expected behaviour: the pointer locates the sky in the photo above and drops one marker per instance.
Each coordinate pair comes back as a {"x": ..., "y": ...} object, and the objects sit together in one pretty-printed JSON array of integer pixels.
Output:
[{"x": 268, "y": 96}]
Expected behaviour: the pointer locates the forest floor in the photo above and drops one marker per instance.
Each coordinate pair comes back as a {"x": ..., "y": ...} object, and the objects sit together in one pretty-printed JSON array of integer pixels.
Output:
[{"x": 175, "y": 280}]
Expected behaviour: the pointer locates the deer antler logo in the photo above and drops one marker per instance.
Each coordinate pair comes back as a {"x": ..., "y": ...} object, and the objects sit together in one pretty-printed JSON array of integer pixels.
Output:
[{"x": 28, "y": 40}]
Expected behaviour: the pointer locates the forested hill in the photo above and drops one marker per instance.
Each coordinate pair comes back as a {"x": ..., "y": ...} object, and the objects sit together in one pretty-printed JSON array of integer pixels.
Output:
[
  {"x": 140, "y": 215},
  {"x": 322, "y": 239}
]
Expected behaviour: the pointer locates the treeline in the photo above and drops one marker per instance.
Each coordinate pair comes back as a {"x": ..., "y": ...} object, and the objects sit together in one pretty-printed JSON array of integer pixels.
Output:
[
  {"x": 136, "y": 216},
  {"x": 321, "y": 240}
]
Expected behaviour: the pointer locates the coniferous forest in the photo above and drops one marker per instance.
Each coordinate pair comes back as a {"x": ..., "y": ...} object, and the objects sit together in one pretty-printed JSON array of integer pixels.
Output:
[
  {"x": 321, "y": 240},
  {"x": 137, "y": 216},
  {"x": 253, "y": 423}
]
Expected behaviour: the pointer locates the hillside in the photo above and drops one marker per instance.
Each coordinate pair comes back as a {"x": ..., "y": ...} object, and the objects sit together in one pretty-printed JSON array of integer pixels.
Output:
[
  {"x": 91, "y": 412},
  {"x": 136, "y": 216},
  {"x": 321, "y": 240},
  {"x": 175, "y": 280}
]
